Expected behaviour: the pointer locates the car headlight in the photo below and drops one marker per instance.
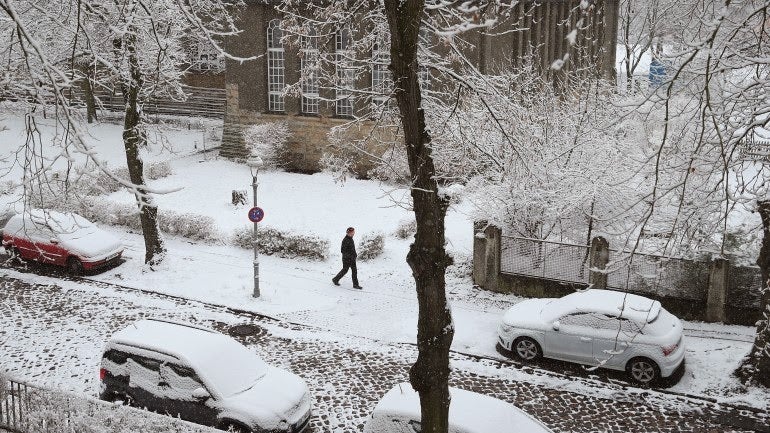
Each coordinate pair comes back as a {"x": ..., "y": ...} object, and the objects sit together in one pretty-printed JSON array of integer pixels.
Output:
[{"x": 506, "y": 329}]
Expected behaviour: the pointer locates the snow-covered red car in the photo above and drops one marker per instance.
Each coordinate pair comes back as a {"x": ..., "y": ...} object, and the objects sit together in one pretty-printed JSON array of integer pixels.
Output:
[
  {"x": 62, "y": 239},
  {"x": 202, "y": 376},
  {"x": 604, "y": 328},
  {"x": 399, "y": 412}
]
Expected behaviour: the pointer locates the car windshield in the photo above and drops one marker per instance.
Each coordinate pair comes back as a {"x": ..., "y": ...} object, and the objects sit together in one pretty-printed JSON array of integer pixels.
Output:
[
  {"x": 229, "y": 368},
  {"x": 69, "y": 225}
]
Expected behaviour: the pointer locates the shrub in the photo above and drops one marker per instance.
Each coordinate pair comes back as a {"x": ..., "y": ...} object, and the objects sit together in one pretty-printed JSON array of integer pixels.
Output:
[
  {"x": 372, "y": 245},
  {"x": 56, "y": 412},
  {"x": 268, "y": 141},
  {"x": 273, "y": 241},
  {"x": 406, "y": 229}
]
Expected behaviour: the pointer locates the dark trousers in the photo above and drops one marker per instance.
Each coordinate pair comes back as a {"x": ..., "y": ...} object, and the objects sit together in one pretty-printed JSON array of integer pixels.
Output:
[{"x": 348, "y": 264}]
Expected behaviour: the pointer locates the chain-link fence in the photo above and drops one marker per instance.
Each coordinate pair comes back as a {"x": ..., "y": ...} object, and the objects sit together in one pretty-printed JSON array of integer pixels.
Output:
[
  {"x": 744, "y": 287},
  {"x": 543, "y": 259},
  {"x": 658, "y": 275},
  {"x": 639, "y": 273}
]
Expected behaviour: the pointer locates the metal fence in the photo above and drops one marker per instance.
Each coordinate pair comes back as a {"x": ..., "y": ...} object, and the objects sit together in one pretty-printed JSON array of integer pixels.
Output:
[
  {"x": 658, "y": 275},
  {"x": 14, "y": 405},
  {"x": 544, "y": 259},
  {"x": 640, "y": 273},
  {"x": 200, "y": 102}
]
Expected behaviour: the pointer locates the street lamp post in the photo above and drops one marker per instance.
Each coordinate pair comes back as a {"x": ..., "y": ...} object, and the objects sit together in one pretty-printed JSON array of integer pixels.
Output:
[{"x": 254, "y": 164}]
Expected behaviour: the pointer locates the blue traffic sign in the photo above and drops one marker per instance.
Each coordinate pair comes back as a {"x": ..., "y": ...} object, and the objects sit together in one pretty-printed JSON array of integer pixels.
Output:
[{"x": 256, "y": 214}]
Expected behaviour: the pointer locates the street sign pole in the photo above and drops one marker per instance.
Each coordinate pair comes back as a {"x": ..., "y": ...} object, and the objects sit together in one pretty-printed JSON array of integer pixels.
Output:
[{"x": 254, "y": 185}]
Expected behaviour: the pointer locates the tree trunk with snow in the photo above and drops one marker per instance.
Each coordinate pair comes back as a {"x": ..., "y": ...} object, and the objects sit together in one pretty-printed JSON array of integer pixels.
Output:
[
  {"x": 134, "y": 139},
  {"x": 427, "y": 257},
  {"x": 755, "y": 368}
]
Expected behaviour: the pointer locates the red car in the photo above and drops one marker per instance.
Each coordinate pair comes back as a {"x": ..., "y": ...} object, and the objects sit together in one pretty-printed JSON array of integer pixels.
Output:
[{"x": 62, "y": 239}]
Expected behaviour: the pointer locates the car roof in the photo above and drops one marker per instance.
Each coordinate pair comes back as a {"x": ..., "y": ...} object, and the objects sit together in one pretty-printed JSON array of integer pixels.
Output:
[
  {"x": 183, "y": 341},
  {"x": 609, "y": 302},
  {"x": 60, "y": 222},
  {"x": 469, "y": 412}
]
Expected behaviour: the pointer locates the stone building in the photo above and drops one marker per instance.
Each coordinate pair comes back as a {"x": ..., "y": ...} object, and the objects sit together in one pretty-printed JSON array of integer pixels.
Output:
[{"x": 538, "y": 31}]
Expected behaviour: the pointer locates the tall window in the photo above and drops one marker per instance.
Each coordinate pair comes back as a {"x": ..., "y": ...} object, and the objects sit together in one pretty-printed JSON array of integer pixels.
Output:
[
  {"x": 345, "y": 73},
  {"x": 276, "y": 67},
  {"x": 381, "y": 81},
  {"x": 309, "y": 67}
]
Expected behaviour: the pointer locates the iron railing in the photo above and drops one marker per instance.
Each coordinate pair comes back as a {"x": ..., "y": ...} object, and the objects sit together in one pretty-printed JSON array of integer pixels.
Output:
[{"x": 14, "y": 406}]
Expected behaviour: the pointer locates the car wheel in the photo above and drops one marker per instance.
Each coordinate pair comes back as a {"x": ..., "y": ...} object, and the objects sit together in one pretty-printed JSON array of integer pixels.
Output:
[
  {"x": 526, "y": 349},
  {"x": 15, "y": 255},
  {"x": 643, "y": 371},
  {"x": 74, "y": 266}
]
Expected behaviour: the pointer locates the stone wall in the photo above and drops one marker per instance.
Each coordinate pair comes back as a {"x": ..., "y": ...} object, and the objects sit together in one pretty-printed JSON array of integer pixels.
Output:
[{"x": 730, "y": 295}]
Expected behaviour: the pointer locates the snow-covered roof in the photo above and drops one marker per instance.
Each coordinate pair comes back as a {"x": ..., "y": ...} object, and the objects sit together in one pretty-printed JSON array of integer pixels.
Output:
[
  {"x": 469, "y": 412},
  {"x": 220, "y": 360},
  {"x": 609, "y": 302}
]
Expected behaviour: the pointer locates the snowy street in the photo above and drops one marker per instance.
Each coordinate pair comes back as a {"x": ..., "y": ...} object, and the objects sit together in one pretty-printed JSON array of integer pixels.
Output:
[{"x": 53, "y": 331}]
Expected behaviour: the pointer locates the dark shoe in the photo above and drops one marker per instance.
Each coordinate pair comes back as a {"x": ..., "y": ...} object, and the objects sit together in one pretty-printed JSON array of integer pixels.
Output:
[
  {"x": 357, "y": 287},
  {"x": 336, "y": 283}
]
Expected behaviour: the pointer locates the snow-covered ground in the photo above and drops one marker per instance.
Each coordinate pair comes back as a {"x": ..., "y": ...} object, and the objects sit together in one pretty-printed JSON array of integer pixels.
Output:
[{"x": 300, "y": 290}]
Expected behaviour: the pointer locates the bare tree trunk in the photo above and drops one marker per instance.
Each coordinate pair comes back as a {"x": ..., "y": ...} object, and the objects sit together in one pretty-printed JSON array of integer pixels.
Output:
[
  {"x": 755, "y": 368},
  {"x": 427, "y": 257},
  {"x": 134, "y": 139}
]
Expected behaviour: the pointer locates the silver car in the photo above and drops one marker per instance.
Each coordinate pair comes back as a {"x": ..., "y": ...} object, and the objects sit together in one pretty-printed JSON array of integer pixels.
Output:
[{"x": 603, "y": 328}]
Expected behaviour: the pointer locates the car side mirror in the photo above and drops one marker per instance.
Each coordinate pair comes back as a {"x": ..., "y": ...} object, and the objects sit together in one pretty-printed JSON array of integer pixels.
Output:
[
  {"x": 200, "y": 393},
  {"x": 556, "y": 325}
]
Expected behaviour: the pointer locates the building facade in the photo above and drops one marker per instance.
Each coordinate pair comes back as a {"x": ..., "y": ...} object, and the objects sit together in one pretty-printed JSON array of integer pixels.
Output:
[{"x": 577, "y": 33}]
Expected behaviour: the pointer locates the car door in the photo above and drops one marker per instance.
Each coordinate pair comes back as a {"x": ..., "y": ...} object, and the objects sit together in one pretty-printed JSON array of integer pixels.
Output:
[
  {"x": 46, "y": 246},
  {"x": 181, "y": 383},
  {"x": 144, "y": 383},
  {"x": 614, "y": 338},
  {"x": 571, "y": 338}
]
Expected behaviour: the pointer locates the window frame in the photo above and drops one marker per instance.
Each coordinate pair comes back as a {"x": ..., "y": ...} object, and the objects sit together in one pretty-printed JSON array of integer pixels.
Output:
[{"x": 276, "y": 68}]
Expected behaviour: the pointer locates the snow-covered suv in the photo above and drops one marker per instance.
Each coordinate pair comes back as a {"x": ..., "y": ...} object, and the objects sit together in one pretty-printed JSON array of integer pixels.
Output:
[{"x": 201, "y": 376}]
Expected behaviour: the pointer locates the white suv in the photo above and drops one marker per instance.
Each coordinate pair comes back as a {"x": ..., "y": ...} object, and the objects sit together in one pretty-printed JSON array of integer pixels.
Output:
[{"x": 201, "y": 376}]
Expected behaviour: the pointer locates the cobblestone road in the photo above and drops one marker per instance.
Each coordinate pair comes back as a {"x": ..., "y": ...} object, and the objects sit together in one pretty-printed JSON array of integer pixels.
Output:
[{"x": 53, "y": 334}]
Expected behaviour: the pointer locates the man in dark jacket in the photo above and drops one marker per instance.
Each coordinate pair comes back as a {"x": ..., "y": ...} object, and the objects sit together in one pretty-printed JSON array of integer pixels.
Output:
[{"x": 348, "y": 250}]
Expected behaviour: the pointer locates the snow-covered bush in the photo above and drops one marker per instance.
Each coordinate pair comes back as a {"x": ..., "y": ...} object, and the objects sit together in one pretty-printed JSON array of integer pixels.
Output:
[
  {"x": 267, "y": 141},
  {"x": 272, "y": 241},
  {"x": 406, "y": 228},
  {"x": 372, "y": 245},
  {"x": 53, "y": 412},
  {"x": 101, "y": 210},
  {"x": 191, "y": 226},
  {"x": 105, "y": 184}
]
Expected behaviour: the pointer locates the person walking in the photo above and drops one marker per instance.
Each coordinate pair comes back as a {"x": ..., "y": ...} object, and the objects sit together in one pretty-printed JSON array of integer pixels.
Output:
[{"x": 348, "y": 250}]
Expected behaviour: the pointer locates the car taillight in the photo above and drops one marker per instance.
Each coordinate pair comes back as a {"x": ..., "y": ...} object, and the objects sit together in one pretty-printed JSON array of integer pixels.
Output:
[
  {"x": 102, "y": 373},
  {"x": 668, "y": 350}
]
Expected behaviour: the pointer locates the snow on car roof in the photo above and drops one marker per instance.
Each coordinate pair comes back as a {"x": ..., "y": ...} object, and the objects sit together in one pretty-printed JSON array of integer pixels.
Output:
[
  {"x": 469, "y": 412},
  {"x": 228, "y": 365},
  {"x": 609, "y": 302},
  {"x": 59, "y": 222}
]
